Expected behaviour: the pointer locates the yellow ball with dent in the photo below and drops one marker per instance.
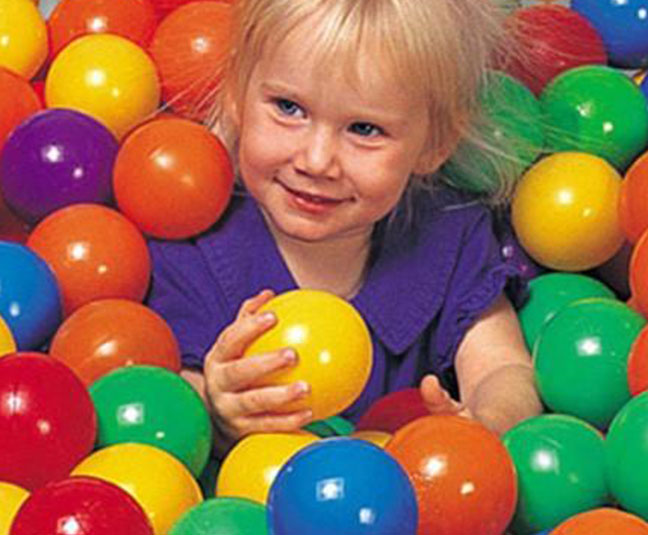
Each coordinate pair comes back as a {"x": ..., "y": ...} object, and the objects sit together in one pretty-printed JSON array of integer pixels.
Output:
[
  {"x": 565, "y": 214},
  {"x": 333, "y": 346},
  {"x": 11, "y": 498},
  {"x": 7, "y": 341},
  {"x": 107, "y": 77},
  {"x": 252, "y": 465}
]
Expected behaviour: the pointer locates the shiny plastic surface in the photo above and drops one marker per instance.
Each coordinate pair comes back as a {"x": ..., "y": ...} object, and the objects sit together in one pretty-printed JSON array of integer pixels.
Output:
[
  {"x": 223, "y": 516},
  {"x": 23, "y": 37}
]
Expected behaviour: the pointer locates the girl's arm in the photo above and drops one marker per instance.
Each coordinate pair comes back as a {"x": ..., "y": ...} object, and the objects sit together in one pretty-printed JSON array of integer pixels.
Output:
[{"x": 494, "y": 371}]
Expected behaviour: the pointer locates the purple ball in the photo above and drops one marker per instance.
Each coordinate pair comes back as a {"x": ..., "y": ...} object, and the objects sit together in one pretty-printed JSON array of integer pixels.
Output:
[{"x": 56, "y": 158}]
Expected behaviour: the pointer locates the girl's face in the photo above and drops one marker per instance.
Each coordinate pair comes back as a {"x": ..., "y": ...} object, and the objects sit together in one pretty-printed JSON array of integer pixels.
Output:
[{"x": 326, "y": 158}]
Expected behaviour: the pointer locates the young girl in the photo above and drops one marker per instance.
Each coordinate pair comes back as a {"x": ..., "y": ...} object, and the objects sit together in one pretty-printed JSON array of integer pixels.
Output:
[{"x": 339, "y": 112}]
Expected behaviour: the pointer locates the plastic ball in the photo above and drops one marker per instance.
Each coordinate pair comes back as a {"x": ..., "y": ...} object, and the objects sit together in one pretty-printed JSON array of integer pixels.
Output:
[
  {"x": 164, "y": 7},
  {"x": 333, "y": 345},
  {"x": 622, "y": 26},
  {"x": 602, "y": 520},
  {"x": 639, "y": 273},
  {"x": 47, "y": 420},
  {"x": 342, "y": 485},
  {"x": 379, "y": 438},
  {"x": 560, "y": 465},
  {"x": 549, "y": 40},
  {"x": 598, "y": 110},
  {"x": 550, "y": 293},
  {"x": 250, "y": 468},
  {"x": 393, "y": 411},
  {"x": 463, "y": 476},
  {"x": 191, "y": 75},
  {"x": 23, "y": 37},
  {"x": 633, "y": 201},
  {"x": 111, "y": 333},
  {"x": 335, "y": 426},
  {"x": 151, "y": 405},
  {"x": 19, "y": 101},
  {"x": 587, "y": 344},
  {"x": 223, "y": 516},
  {"x": 11, "y": 498},
  {"x": 7, "y": 342},
  {"x": 107, "y": 77},
  {"x": 638, "y": 364},
  {"x": 160, "y": 483},
  {"x": 513, "y": 126},
  {"x": 30, "y": 299},
  {"x": 132, "y": 19},
  {"x": 12, "y": 228},
  {"x": 564, "y": 211},
  {"x": 627, "y": 456},
  {"x": 95, "y": 253},
  {"x": 172, "y": 178},
  {"x": 56, "y": 158},
  {"x": 81, "y": 505}
]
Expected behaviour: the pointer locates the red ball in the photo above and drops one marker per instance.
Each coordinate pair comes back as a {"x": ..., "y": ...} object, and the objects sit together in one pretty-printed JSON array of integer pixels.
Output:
[
  {"x": 190, "y": 48},
  {"x": 550, "y": 39},
  {"x": 81, "y": 506},
  {"x": 639, "y": 273},
  {"x": 393, "y": 411},
  {"x": 95, "y": 253},
  {"x": 463, "y": 475},
  {"x": 172, "y": 178},
  {"x": 11, "y": 227},
  {"x": 19, "y": 101},
  {"x": 134, "y": 19},
  {"x": 164, "y": 7},
  {"x": 47, "y": 420}
]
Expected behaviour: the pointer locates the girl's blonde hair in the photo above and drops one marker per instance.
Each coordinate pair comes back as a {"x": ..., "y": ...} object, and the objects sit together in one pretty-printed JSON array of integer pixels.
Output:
[{"x": 441, "y": 49}]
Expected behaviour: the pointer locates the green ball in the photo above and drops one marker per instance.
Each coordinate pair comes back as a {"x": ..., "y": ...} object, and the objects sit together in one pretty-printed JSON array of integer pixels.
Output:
[
  {"x": 550, "y": 293},
  {"x": 581, "y": 359},
  {"x": 511, "y": 124},
  {"x": 627, "y": 456},
  {"x": 596, "y": 109},
  {"x": 560, "y": 465},
  {"x": 223, "y": 516},
  {"x": 335, "y": 426},
  {"x": 152, "y": 405}
]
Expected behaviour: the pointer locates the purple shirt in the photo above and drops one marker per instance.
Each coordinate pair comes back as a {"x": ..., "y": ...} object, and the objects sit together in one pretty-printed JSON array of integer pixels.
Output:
[{"x": 429, "y": 279}]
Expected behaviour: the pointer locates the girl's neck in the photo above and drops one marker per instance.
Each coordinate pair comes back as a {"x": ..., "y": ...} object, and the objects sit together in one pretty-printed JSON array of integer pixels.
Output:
[{"x": 337, "y": 266}]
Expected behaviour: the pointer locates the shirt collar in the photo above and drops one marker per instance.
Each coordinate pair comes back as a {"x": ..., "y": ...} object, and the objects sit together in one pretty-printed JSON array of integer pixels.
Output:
[{"x": 405, "y": 285}]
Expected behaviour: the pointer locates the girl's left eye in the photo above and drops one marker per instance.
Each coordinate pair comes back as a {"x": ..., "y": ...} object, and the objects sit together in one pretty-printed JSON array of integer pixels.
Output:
[
  {"x": 366, "y": 129},
  {"x": 287, "y": 107}
]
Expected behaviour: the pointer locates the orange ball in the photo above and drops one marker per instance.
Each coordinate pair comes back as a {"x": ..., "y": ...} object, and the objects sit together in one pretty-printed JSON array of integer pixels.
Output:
[
  {"x": 463, "y": 476},
  {"x": 639, "y": 273},
  {"x": 172, "y": 178},
  {"x": 19, "y": 101},
  {"x": 190, "y": 48},
  {"x": 111, "y": 333},
  {"x": 603, "y": 520},
  {"x": 95, "y": 253},
  {"x": 638, "y": 363},
  {"x": 633, "y": 200},
  {"x": 133, "y": 19}
]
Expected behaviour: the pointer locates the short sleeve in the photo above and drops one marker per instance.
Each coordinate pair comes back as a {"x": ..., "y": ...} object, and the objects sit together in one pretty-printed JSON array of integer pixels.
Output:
[
  {"x": 178, "y": 293},
  {"x": 480, "y": 275}
]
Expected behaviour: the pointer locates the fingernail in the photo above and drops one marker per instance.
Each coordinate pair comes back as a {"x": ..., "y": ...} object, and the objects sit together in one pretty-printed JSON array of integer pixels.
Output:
[
  {"x": 266, "y": 317},
  {"x": 302, "y": 388},
  {"x": 289, "y": 356}
]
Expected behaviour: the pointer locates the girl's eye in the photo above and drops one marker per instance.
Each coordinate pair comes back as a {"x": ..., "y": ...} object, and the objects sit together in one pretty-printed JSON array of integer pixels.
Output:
[
  {"x": 287, "y": 107},
  {"x": 366, "y": 129}
]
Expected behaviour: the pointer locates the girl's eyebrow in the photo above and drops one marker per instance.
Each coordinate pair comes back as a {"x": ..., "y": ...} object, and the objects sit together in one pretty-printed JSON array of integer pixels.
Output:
[{"x": 273, "y": 87}]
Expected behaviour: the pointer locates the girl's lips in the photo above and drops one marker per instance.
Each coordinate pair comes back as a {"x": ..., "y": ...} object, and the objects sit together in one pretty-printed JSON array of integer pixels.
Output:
[{"x": 311, "y": 203}]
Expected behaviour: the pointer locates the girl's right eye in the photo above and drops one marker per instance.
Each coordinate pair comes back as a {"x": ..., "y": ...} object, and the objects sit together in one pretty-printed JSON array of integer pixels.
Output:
[{"x": 287, "y": 107}]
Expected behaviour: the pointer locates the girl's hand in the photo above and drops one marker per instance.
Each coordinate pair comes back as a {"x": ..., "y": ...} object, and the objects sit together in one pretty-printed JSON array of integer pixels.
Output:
[
  {"x": 438, "y": 401},
  {"x": 238, "y": 408}
]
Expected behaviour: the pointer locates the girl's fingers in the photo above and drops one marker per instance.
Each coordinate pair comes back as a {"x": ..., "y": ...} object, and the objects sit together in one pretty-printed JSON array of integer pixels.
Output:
[
  {"x": 253, "y": 304},
  {"x": 436, "y": 398},
  {"x": 235, "y": 338},
  {"x": 239, "y": 374},
  {"x": 275, "y": 423},
  {"x": 259, "y": 401}
]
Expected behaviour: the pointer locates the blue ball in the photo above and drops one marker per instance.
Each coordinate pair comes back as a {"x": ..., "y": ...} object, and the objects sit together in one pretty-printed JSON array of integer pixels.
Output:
[
  {"x": 623, "y": 26},
  {"x": 30, "y": 300},
  {"x": 342, "y": 485}
]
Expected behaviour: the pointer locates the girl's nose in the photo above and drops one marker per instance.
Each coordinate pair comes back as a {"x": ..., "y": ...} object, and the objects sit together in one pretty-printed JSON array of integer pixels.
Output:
[{"x": 318, "y": 154}]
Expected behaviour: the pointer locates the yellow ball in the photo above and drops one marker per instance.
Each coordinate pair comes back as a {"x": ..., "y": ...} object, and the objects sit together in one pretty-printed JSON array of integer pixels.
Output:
[
  {"x": 23, "y": 37},
  {"x": 107, "y": 77},
  {"x": 378, "y": 438},
  {"x": 333, "y": 347},
  {"x": 161, "y": 484},
  {"x": 7, "y": 342},
  {"x": 11, "y": 498},
  {"x": 252, "y": 465},
  {"x": 564, "y": 211}
]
